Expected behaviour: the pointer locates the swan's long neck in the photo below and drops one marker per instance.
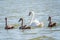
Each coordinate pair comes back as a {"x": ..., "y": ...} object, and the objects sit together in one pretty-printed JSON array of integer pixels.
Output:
[
  {"x": 6, "y": 22},
  {"x": 32, "y": 18},
  {"x": 22, "y": 22},
  {"x": 49, "y": 20}
]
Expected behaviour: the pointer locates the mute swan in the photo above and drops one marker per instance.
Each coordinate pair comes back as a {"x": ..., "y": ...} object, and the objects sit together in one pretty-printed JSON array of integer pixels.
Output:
[
  {"x": 35, "y": 22},
  {"x": 7, "y": 26},
  {"x": 51, "y": 24},
  {"x": 23, "y": 26}
]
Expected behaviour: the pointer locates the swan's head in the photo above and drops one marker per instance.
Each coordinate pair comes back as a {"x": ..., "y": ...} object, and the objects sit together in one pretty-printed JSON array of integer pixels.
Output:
[
  {"x": 49, "y": 18},
  {"x": 20, "y": 19},
  {"x": 5, "y": 18},
  {"x": 31, "y": 12}
]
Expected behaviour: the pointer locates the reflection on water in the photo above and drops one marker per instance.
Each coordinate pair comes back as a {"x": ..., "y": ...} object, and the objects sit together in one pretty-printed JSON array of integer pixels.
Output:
[
  {"x": 44, "y": 38},
  {"x": 29, "y": 34},
  {"x": 15, "y": 9}
]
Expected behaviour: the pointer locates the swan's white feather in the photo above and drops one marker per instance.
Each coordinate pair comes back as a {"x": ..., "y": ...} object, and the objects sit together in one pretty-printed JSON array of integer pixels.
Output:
[{"x": 35, "y": 22}]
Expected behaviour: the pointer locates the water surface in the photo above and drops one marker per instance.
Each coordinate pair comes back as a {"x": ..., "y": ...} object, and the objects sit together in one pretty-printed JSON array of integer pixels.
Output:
[{"x": 15, "y": 9}]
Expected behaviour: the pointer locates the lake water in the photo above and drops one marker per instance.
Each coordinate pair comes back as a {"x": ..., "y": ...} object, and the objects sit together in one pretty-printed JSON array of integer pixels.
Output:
[{"x": 15, "y": 9}]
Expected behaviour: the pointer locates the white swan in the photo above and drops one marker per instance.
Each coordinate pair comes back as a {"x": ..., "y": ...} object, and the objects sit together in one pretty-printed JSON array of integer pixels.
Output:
[{"x": 35, "y": 22}]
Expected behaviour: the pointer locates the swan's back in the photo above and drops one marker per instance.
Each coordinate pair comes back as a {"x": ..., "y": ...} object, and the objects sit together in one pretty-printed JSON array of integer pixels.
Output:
[{"x": 36, "y": 23}]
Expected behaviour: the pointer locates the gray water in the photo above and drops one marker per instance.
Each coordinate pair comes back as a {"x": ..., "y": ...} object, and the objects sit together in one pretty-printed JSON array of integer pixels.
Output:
[{"x": 15, "y": 9}]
